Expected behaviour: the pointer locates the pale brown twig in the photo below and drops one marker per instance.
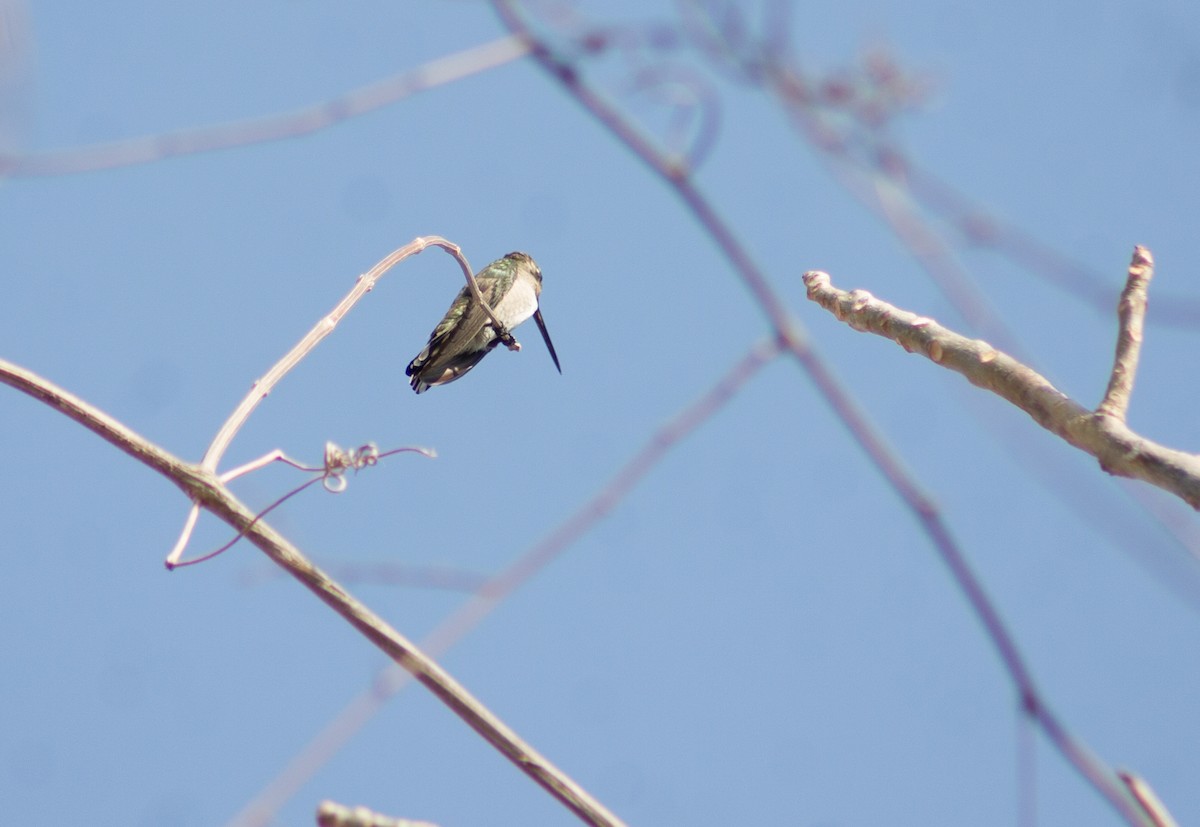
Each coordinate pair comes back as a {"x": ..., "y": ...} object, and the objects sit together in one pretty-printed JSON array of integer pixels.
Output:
[
  {"x": 1131, "y": 319},
  {"x": 260, "y": 389},
  {"x": 365, "y": 284},
  {"x": 208, "y": 555},
  {"x": 332, "y": 814},
  {"x": 983, "y": 229},
  {"x": 1119, "y": 450},
  {"x": 1145, "y": 796},
  {"x": 203, "y": 486},
  {"x": 304, "y": 121},
  {"x": 379, "y": 573},
  {"x": 266, "y": 459},
  {"x": 332, "y": 478}
]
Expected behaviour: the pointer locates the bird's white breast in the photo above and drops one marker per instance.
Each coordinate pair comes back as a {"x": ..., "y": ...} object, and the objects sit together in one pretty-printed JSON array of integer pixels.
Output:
[{"x": 518, "y": 304}]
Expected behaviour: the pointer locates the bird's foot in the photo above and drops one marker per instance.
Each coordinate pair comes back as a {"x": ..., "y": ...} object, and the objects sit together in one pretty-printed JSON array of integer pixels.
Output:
[{"x": 508, "y": 339}]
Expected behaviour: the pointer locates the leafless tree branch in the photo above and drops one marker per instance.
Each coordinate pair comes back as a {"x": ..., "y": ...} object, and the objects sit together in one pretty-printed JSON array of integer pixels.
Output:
[
  {"x": 1101, "y": 433},
  {"x": 794, "y": 339},
  {"x": 1148, "y": 799},
  {"x": 149, "y": 148},
  {"x": 495, "y": 589},
  {"x": 206, "y": 490},
  {"x": 263, "y": 387},
  {"x": 332, "y": 814},
  {"x": 1131, "y": 319}
]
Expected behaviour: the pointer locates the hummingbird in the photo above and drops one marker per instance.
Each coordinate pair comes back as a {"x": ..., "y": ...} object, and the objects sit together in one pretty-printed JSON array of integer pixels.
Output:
[{"x": 511, "y": 286}]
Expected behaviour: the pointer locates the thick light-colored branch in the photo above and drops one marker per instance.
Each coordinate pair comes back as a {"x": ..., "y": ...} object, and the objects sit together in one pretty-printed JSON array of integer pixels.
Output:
[
  {"x": 1107, "y": 438},
  {"x": 1131, "y": 320},
  {"x": 100, "y": 423},
  {"x": 204, "y": 487}
]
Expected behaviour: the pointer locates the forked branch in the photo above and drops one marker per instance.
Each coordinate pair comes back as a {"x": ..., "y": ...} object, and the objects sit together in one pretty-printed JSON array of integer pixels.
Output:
[
  {"x": 204, "y": 487},
  {"x": 1101, "y": 433},
  {"x": 263, "y": 387}
]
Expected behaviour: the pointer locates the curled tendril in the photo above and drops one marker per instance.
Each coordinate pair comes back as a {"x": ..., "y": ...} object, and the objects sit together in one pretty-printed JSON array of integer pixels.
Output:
[
  {"x": 693, "y": 110},
  {"x": 333, "y": 478},
  {"x": 339, "y": 460}
]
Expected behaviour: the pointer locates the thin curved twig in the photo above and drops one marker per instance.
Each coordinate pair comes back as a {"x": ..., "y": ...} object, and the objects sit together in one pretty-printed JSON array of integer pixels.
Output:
[
  {"x": 260, "y": 389},
  {"x": 150, "y": 148}
]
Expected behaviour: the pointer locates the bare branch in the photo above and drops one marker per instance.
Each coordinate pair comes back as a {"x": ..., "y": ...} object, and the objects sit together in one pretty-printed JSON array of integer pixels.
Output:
[
  {"x": 105, "y": 426},
  {"x": 1120, "y": 451},
  {"x": 365, "y": 284},
  {"x": 204, "y": 558},
  {"x": 205, "y": 489},
  {"x": 1131, "y": 314},
  {"x": 979, "y": 228},
  {"x": 262, "y": 462},
  {"x": 260, "y": 389},
  {"x": 305, "y": 121},
  {"x": 1150, "y": 802},
  {"x": 262, "y": 809},
  {"x": 332, "y": 814},
  {"x": 381, "y": 573},
  {"x": 185, "y": 535},
  {"x": 332, "y": 478},
  {"x": 793, "y": 338},
  {"x": 844, "y": 118}
]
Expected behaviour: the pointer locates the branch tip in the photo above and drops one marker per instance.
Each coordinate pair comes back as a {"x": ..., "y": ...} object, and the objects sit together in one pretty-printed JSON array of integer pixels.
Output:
[
  {"x": 1131, "y": 319},
  {"x": 1147, "y": 799}
]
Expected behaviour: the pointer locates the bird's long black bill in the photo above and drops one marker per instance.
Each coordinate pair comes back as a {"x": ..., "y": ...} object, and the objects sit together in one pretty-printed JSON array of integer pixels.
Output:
[{"x": 541, "y": 323}]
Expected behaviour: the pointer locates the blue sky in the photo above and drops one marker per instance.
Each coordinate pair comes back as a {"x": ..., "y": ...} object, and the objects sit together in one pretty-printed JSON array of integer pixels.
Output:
[{"x": 759, "y": 631}]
